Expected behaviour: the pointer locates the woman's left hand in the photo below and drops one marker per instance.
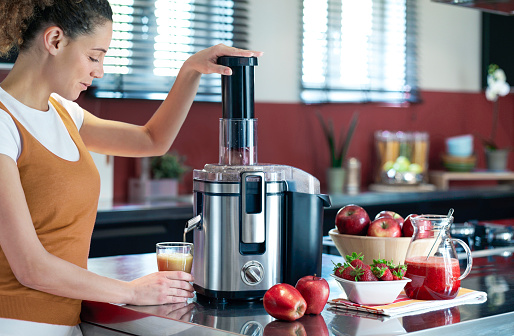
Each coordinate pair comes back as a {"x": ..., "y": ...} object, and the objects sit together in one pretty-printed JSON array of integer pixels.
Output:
[{"x": 205, "y": 61}]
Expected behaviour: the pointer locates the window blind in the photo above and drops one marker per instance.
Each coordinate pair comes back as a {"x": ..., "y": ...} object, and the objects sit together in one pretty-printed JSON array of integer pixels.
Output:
[
  {"x": 152, "y": 39},
  {"x": 359, "y": 51}
]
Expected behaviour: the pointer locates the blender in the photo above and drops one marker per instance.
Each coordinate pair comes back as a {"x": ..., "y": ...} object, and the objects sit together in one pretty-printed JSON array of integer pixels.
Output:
[{"x": 255, "y": 224}]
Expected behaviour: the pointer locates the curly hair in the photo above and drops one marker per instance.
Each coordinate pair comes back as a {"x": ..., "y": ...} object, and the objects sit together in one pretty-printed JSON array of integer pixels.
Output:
[{"x": 21, "y": 20}]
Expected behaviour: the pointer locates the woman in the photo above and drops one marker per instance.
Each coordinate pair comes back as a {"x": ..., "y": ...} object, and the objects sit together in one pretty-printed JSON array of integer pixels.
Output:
[{"x": 49, "y": 184}]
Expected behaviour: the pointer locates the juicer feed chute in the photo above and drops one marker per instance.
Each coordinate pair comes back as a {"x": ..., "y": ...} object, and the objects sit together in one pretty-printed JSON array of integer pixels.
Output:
[
  {"x": 255, "y": 224},
  {"x": 238, "y": 128}
]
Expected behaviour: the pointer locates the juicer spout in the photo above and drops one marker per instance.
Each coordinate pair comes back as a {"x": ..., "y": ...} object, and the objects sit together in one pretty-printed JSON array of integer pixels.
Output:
[{"x": 192, "y": 224}]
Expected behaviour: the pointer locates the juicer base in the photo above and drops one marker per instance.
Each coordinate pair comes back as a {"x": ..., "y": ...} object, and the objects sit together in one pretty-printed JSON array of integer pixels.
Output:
[{"x": 220, "y": 296}]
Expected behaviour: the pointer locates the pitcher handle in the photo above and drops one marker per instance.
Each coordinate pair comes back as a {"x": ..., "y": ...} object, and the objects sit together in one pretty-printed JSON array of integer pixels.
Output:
[{"x": 470, "y": 259}]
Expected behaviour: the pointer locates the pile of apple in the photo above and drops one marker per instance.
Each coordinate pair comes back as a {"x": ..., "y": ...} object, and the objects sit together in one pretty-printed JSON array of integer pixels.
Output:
[
  {"x": 354, "y": 220},
  {"x": 288, "y": 303}
]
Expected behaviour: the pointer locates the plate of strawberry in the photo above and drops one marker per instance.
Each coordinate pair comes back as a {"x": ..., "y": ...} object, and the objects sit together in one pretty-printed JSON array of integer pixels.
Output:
[{"x": 378, "y": 283}]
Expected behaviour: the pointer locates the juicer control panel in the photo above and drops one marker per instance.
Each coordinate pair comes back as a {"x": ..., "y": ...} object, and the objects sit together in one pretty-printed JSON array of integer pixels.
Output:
[{"x": 252, "y": 273}]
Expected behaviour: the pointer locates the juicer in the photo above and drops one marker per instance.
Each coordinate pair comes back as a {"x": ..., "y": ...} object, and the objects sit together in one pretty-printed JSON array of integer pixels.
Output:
[{"x": 255, "y": 225}]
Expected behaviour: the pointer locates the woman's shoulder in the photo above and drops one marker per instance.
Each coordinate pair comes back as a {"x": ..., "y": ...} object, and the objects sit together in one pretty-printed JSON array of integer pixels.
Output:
[{"x": 10, "y": 143}]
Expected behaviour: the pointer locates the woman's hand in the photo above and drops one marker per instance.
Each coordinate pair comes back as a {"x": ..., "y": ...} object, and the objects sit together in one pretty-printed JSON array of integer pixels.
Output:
[
  {"x": 205, "y": 61},
  {"x": 156, "y": 136},
  {"x": 162, "y": 287}
]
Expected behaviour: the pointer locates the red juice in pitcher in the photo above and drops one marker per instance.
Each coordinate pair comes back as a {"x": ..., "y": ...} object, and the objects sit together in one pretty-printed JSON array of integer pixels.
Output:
[{"x": 435, "y": 278}]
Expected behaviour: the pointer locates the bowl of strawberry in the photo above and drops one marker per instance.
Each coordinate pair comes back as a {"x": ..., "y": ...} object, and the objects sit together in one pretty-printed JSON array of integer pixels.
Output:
[{"x": 370, "y": 284}]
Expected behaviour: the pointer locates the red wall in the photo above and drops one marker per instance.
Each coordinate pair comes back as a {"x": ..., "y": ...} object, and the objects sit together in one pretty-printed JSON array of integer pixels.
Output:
[{"x": 290, "y": 133}]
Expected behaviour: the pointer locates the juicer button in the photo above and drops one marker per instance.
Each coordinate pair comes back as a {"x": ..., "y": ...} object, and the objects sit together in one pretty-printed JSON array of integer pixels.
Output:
[{"x": 252, "y": 273}]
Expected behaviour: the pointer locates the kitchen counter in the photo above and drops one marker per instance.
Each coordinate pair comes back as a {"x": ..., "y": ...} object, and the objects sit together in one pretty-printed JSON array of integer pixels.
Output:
[{"x": 493, "y": 274}]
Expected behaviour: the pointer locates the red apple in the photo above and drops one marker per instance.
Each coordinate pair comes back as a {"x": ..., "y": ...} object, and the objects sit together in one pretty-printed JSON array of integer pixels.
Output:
[
  {"x": 408, "y": 227},
  {"x": 315, "y": 291},
  {"x": 423, "y": 227},
  {"x": 384, "y": 227},
  {"x": 391, "y": 214},
  {"x": 284, "y": 302},
  {"x": 353, "y": 220},
  {"x": 281, "y": 328}
]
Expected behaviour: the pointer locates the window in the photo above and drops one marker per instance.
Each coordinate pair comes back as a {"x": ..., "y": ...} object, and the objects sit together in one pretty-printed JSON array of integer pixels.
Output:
[
  {"x": 152, "y": 38},
  {"x": 359, "y": 51}
]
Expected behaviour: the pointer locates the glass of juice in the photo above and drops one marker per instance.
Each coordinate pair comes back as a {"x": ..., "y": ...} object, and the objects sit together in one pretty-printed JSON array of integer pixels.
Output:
[
  {"x": 174, "y": 256},
  {"x": 431, "y": 260}
]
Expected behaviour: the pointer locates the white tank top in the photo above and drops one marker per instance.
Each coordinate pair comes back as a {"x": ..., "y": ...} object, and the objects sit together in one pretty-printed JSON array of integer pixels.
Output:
[
  {"x": 11, "y": 327},
  {"x": 46, "y": 126}
]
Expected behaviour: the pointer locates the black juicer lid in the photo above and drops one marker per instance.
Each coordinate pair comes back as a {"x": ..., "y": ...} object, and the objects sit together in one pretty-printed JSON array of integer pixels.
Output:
[
  {"x": 235, "y": 61},
  {"x": 237, "y": 90}
]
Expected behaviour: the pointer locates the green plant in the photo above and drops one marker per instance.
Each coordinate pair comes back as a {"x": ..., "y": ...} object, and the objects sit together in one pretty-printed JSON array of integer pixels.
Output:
[
  {"x": 169, "y": 165},
  {"x": 338, "y": 149}
]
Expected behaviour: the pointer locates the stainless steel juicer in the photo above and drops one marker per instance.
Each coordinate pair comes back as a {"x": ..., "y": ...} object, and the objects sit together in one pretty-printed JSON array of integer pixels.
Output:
[{"x": 255, "y": 225}]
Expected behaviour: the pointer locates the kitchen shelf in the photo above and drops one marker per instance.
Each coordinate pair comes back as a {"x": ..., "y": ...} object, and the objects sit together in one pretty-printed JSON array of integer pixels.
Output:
[
  {"x": 395, "y": 188},
  {"x": 441, "y": 179}
]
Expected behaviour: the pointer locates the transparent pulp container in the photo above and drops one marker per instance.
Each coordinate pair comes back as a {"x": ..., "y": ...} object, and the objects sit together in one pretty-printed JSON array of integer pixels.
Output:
[
  {"x": 238, "y": 142},
  {"x": 402, "y": 157},
  {"x": 431, "y": 260}
]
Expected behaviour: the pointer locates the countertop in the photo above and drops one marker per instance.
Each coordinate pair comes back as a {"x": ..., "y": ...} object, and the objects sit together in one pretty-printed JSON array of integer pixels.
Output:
[{"x": 493, "y": 274}]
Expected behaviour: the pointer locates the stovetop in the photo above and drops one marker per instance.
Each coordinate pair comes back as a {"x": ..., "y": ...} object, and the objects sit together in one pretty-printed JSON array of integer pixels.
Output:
[{"x": 481, "y": 235}]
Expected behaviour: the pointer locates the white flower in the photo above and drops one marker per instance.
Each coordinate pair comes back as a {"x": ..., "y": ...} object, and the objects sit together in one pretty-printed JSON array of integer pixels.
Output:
[
  {"x": 499, "y": 75},
  {"x": 496, "y": 85}
]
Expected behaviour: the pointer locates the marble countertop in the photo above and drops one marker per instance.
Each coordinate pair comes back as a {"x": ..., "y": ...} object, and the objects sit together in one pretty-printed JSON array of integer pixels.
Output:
[{"x": 492, "y": 274}]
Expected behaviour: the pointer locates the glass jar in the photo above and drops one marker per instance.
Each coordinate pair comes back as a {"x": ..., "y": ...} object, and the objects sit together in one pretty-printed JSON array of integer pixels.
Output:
[
  {"x": 431, "y": 260},
  {"x": 402, "y": 157}
]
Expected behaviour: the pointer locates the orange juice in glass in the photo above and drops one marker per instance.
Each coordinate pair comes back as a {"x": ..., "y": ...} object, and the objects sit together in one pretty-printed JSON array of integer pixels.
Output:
[{"x": 174, "y": 256}]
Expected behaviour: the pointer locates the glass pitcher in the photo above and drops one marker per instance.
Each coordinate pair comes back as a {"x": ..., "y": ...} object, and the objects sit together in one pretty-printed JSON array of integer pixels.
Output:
[{"x": 432, "y": 261}]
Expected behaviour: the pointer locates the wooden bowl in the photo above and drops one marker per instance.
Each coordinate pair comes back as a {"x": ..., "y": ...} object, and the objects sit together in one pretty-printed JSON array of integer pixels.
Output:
[{"x": 371, "y": 247}]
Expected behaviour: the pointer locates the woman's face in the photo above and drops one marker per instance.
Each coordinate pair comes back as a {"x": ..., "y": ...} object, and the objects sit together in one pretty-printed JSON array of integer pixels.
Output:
[{"x": 80, "y": 61}]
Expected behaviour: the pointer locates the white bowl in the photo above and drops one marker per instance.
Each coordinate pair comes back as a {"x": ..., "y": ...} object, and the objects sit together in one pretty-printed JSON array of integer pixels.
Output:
[{"x": 371, "y": 292}]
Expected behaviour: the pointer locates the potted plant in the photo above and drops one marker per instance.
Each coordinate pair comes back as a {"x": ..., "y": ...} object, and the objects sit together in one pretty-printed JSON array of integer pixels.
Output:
[
  {"x": 338, "y": 148},
  {"x": 168, "y": 166},
  {"x": 496, "y": 157},
  {"x": 165, "y": 173}
]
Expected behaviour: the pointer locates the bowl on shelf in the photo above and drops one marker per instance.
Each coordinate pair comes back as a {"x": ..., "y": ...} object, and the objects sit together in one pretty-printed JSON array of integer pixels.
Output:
[
  {"x": 460, "y": 146},
  {"x": 389, "y": 248},
  {"x": 459, "y": 164},
  {"x": 371, "y": 292}
]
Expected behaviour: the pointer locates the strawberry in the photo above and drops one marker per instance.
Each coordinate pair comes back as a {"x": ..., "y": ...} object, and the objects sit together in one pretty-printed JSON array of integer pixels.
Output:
[
  {"x": 351, "y": 273},
  {"x": 368, "y": 275},
  {"x": 382, "y": 272},
  {"x": 383, "y": 262},
  {"x": 356, "y": 260},
  {"x": 358, "y": 273},
  {"x": 398, "y": 272},
  {"x": 338, "y": 269}
]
